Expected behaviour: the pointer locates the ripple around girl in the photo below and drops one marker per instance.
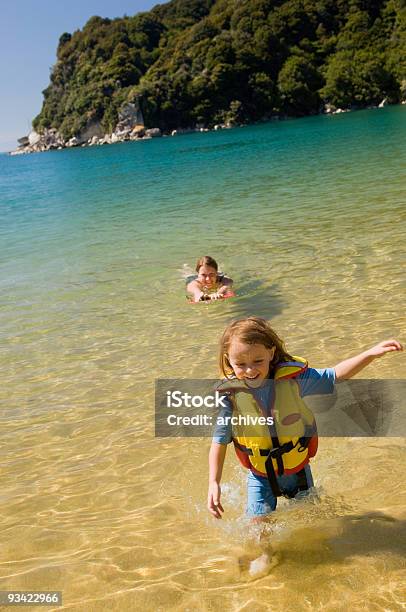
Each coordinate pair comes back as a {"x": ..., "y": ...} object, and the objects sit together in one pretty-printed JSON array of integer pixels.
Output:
[
  {"x": 263, "y": 380},
  {"x": 209, "y": 284}
]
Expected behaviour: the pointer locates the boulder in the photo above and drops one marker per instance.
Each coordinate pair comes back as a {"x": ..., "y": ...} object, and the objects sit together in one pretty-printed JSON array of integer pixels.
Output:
[
  {"x": 153, "y": 132},
  {"x": 329, "y": 108},
  {"x": 129, "y": 117},
  {"x": 179, "y": 131},
  {"x": 383, "y": 103},
  {"x": 34, "y": 138},
  {"x": 24, "y": 141},
  {"x": 138, "y": 131},
  {"x": 93, "y": 128},
  {"x": 123, "y": 134},
  {"x": 73, "y": 142}
]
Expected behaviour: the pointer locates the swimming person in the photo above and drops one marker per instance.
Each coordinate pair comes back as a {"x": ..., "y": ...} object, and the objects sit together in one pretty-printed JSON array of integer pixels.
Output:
[
  {"x": 263, "y": 379},
  {"x": 208, "y": 284}
]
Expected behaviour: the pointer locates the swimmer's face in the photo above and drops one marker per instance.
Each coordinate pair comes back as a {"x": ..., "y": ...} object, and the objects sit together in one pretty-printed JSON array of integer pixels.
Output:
[
  {"x": 207, "y": 276},
  {"x": 250, "y": 362}
]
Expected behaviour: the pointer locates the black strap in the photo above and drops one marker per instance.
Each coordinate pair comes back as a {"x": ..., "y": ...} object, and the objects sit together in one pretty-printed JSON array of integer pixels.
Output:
[
  {"x": 270, "y": 472},
  {"x": 276, "y": 445},
  {"x": 304, "y": 441},
  {"x": 281, "y": 450},
  {"x": 245, "y": 449},
  {"x": 277, "y": 454},
  {"x": 302, "y": 485}
]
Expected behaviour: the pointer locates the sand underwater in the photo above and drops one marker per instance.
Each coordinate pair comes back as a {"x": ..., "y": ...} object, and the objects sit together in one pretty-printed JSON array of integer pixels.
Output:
[{"x": 308, "y": 218}]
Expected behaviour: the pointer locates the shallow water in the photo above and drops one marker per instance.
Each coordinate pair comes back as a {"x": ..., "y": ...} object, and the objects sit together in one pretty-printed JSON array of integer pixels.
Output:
[{"x": 308, "y": 218}]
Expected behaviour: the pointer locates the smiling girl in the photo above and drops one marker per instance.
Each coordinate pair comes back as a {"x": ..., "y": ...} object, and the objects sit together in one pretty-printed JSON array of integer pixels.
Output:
[
  {"x": 263, "y": 379},
  {"x": 209, "y": 284}
]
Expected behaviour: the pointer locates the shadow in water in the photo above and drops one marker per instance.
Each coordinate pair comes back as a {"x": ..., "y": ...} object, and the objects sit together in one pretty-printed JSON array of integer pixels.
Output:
[
  {"x": 373, "y": 532},
  {"x": 256, "y": 298},
  {"x": 353, "y": 535}
]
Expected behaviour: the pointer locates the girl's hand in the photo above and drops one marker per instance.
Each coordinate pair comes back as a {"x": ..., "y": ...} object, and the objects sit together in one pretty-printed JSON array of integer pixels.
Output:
[
  {"x": 386, "y": 346},
  {"x": 204, "y": 298},
  {"x": 352, "y": 366},
  {"x": 213, "y": 500}
]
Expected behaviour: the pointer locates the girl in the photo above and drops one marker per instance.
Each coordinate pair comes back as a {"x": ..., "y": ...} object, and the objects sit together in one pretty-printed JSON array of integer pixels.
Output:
[
  {"x": 208, "y": 284},
  {"x": 263, "y": 379}
]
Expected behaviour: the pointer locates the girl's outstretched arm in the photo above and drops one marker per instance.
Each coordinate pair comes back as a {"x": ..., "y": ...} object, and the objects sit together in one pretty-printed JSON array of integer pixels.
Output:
[
  {"x": 349, "y": 367},
  {"x": 216, "y": 461},
  {"x": 194, "y": 288}
]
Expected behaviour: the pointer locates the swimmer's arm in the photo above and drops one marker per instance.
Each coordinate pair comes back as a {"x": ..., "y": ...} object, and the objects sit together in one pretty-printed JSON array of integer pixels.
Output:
[
  {"x": 217, "y": 455},
  {"x": 194, "y": 288},
  {"x": 349, "y": 367}
]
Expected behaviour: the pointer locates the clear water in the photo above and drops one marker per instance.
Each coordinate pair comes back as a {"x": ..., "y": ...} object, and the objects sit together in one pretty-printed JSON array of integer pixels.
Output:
[{"x": 308, "y": 218}]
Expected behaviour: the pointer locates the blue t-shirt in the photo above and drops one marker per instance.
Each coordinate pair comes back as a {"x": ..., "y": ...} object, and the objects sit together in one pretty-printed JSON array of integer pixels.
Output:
[{"x": 311, "y": 382}]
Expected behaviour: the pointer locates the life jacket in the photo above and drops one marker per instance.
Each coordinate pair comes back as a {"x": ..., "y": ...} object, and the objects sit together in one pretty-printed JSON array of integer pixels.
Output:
[{"x": 284, "y": 447}]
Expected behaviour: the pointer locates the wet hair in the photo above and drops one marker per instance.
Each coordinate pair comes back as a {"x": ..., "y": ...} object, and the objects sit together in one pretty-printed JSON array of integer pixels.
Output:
[
  {"x": 206, "y": 261},
  {"x": 252, "y": 330}
]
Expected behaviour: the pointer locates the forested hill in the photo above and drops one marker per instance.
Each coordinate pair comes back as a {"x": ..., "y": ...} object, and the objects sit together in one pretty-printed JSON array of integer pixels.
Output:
[{"x": 206, "y": 61}]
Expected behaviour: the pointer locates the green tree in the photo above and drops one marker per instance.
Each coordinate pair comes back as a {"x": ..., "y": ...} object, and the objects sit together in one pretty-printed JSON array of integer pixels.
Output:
[{"x": 298, "y": 84}]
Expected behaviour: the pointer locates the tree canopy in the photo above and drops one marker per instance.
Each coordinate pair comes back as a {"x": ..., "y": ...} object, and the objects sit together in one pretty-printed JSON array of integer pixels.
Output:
[{"x": 205, "y": 61}]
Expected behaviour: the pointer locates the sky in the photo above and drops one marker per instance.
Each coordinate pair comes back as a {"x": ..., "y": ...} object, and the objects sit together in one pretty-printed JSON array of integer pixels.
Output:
[{"x": 29, "y": 34}]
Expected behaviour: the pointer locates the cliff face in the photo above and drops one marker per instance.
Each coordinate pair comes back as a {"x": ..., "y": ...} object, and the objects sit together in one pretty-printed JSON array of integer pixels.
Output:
[{"x": 194, "y": 62}]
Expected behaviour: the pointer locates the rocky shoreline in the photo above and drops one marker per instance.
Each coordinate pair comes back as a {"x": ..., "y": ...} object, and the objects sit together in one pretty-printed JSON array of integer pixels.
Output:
[{"x": 130, "y": 127}]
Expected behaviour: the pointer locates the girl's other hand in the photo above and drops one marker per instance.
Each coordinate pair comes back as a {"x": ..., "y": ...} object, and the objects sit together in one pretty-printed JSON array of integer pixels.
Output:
[
  {"x": 213, "y": 500},
  {"x": 386, "y": 346}
]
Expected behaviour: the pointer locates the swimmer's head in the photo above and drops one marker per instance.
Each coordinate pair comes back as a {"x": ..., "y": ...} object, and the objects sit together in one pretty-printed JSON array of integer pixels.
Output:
[
  {"x": 250, "y": 336},
  {"x": 207, "y": 268}
]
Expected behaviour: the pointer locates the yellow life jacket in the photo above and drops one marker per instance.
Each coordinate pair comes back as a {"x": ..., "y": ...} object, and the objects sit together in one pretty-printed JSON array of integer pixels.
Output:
[{"x": 284, "y": 447}]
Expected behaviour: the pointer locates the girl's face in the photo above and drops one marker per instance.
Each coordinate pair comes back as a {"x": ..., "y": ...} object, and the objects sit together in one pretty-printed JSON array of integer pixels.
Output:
[
  {"x": 207, "y": 276},
  {"x": 250, "y": 362}
]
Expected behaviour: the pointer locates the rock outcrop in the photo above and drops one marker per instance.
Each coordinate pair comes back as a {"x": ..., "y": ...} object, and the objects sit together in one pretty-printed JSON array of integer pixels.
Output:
[
  {"x": 33, "y": 138},
  {"x": 93, "y": 129},
  {"x": 130, "y": 126},
  {"x": 129, "y": 117},
  {"x": 153, "y": 133},
  {"x": 34, "y": 142}
]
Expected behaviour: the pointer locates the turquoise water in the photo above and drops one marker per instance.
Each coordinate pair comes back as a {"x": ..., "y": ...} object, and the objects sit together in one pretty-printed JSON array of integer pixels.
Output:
[
  {"x": 308, "y": 218},
  {"x": 287, "y": 208},
  {"x": 162, "y": 199}
]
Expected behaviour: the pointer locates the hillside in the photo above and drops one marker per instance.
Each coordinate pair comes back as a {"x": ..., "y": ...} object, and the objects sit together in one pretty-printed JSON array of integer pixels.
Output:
[{"x": 194, "y": 62}]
